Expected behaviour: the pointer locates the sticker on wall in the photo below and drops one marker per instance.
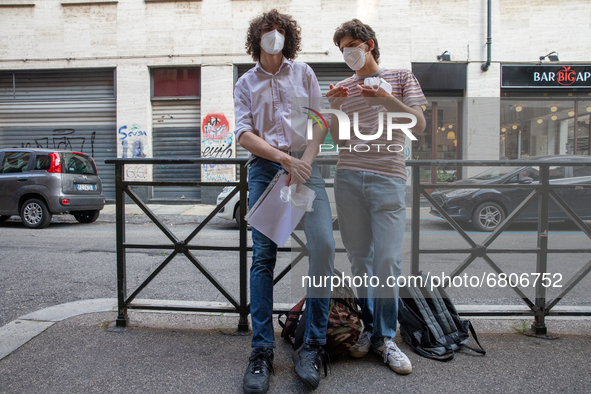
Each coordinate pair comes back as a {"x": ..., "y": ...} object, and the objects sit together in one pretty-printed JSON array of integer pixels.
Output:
[{"x": 217, "y": 142}]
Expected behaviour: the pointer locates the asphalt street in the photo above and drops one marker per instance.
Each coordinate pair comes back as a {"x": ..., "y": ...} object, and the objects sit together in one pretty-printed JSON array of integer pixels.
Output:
[{"x": 69, "y": 261}]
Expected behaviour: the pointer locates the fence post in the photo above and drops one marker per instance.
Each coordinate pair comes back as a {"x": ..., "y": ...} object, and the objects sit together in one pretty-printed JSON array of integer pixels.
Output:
[
  {"x": 122, "y": 318},
  {"x": 539, "y": 325},
  {"x": 244, "y": 309},
  {"x": 416, "y": 219}
]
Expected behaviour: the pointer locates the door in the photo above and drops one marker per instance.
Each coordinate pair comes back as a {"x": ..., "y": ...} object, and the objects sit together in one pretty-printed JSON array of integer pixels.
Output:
[
  {"x": 441, "y": 139},
  {"x": 14, "y": 174}
]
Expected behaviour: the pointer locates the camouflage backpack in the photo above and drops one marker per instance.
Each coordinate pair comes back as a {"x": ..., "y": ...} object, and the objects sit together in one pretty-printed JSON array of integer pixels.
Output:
[{"x": 344, "y": 322}]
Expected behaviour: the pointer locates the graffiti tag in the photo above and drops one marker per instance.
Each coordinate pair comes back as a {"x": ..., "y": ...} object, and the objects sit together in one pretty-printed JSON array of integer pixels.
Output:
[
  {"x": 133, "y": 132},
  {"x": 63, "y": 139}
]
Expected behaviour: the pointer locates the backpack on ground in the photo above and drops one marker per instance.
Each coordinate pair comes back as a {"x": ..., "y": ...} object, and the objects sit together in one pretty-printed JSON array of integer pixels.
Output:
[
  {"x": 344, "y": 322},
  {"x": 430, "y": 323}
]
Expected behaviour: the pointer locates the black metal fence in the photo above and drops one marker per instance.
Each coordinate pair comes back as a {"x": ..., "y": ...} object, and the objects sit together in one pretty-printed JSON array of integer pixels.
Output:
[{"x": 543, "y": 191}]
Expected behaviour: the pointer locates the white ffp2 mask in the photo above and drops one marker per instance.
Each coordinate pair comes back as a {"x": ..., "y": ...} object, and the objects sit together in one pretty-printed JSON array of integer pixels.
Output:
[
  {"x": 272, "y": 42},
  {"x": 355, "y": 57},
  {"x": 377, "y": 83}
]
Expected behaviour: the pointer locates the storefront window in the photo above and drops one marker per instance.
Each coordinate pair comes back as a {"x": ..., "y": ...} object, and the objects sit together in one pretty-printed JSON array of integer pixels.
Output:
[
  {"x": 439, "y": 140},
  {"x": 538, "y": 127},
  {"x": 583, "y": 127}
]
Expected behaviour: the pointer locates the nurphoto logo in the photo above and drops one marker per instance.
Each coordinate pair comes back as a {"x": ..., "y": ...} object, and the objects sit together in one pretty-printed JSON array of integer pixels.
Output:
[{"x": 392, "y": 119}]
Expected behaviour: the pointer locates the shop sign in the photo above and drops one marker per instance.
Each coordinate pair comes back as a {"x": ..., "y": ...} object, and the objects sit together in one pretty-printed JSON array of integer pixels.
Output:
[{"x": 546, "y": 76}]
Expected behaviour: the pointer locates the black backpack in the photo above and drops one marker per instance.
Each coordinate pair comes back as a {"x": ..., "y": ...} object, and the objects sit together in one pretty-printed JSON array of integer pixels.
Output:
[{"x": 430, "y": 323}]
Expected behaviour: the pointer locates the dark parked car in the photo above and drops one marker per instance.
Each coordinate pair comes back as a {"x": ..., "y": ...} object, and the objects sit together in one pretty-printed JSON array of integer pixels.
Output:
[
  {"x": 487, "y": 207},
  {"x": 37, "y": 183}
]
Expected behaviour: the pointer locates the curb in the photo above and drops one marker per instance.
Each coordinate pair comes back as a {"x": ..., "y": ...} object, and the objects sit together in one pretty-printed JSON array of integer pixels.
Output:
[{"x": 20, "y": 331}]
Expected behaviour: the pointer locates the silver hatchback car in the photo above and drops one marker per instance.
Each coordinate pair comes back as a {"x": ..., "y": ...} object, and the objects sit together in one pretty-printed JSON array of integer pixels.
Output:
[{"x": 37, "y": 183}]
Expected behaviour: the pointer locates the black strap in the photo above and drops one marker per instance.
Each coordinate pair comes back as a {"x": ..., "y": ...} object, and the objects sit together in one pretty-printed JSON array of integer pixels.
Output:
[
  {"x": 282, "y": 324},
  {"x": 447, "y": 357},
  {"x": 481, "y": 350}
]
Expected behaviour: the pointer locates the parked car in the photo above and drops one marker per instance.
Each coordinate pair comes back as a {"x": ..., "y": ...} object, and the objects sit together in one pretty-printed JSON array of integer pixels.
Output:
[
  {"x": 38, "y": 183},
  {"x": 488, "y": 206},
  {"x": 230, "y": 211}
]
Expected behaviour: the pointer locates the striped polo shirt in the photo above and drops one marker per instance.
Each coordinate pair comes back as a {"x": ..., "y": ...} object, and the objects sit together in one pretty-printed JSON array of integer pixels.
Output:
[{"x": 378, "y": 156}]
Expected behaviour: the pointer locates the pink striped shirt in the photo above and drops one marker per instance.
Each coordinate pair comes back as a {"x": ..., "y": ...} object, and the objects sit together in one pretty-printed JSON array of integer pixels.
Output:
[{"x": 382, "y": 157}]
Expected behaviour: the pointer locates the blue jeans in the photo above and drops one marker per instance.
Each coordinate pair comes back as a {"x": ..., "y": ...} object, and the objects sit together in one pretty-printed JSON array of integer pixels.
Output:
[
  {"x": 318, "y": 230},
  {"x": 372, "y": 214}
]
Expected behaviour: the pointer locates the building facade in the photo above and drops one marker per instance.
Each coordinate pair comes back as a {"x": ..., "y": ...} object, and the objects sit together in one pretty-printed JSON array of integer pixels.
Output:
[{"x": 155, "y": 78}]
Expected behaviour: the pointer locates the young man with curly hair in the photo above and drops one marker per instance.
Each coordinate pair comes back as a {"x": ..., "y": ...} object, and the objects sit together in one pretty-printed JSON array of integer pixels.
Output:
[
  {"x": 262, "y": 105},
  {"x": 370, "y": 184}
]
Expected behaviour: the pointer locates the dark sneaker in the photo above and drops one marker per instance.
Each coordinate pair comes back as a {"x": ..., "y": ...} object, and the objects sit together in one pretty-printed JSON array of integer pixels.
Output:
[
  {"x": 256, "y": 377},
  {"x": 361, "y": 348},
  {"x": 308, "y": 361}
]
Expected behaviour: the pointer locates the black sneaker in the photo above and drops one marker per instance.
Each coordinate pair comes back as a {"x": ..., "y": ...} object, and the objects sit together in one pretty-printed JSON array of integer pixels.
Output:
[
  {"x": 256, "y": 377},
  {"x": 308, "y": 361}
]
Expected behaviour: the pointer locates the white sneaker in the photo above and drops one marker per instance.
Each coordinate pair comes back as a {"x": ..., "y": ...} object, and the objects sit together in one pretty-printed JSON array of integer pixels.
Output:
[
  {"x": 361, "y": 348},
  {"x": 396, "y": 360}
]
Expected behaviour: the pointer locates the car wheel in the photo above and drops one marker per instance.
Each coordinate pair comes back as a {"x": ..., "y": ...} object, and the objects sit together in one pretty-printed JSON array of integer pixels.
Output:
[
  {"x": 487, "y": 216},
  {"x": 34, "y": 214},
  {"x": 4, "y": 218},
  {"x": 87, "y": 216},
  {"x": 237, "y": 215}
]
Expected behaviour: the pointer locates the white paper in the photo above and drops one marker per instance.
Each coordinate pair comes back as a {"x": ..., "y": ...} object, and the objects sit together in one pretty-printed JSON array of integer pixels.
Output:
[{"x": 275, "y": 218}]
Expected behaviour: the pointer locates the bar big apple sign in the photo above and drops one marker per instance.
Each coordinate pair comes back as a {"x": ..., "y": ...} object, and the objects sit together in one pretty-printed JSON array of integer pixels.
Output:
[{"x": 546, "y": 76}]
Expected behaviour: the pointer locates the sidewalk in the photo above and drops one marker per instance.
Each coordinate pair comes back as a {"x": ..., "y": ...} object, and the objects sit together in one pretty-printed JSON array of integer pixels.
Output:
[
  {"x": 204, "y": 210},
  {"x": 79, "y": 350},
  {"x": 164, "y": 209}
]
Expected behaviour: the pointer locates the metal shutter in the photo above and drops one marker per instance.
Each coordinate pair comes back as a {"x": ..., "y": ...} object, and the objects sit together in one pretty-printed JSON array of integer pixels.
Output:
[
  {"x": 241, "y": 153},
  {"x": 329, "y": 73},
  {"x": 62, "y": 109},
  {"x": 176, "y": 134}
]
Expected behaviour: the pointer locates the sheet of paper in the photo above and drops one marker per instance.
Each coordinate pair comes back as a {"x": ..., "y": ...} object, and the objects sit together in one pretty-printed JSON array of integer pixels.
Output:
[{"x": 275, "y": 218}]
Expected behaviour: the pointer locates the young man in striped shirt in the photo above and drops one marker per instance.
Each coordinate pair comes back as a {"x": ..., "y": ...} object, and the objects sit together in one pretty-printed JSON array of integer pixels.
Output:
[{"x": 370, "y": 181}]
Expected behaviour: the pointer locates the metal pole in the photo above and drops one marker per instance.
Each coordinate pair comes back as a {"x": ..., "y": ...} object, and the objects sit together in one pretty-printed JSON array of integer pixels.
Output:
[
  {"x": 122, "y": 318},
  {"x": 484, "y": 67},
  {"x": 539, "y": 325},
  {"x": 244, "y": 310},
  {"x": 416, "y": 217}
]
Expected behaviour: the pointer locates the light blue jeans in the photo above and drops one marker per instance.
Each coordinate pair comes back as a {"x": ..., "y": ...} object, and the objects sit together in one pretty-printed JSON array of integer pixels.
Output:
[
  {"x": 320, "y": 244},
  {"x": 372, "y": 214}
]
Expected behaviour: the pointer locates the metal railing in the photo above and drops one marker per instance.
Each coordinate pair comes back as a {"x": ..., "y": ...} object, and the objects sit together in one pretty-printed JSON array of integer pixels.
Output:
[
  {"x": 543, "y": 191},
  {"x": 177, "y": 246},
  {"x": 540, "y": 307}
]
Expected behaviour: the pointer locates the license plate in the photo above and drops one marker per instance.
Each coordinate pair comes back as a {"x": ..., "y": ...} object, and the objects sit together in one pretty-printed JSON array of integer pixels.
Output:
[{"x": 84, "y": 187}]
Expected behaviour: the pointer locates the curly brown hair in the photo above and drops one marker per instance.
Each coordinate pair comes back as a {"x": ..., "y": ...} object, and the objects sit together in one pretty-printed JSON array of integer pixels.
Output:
[
  {"x": 293, "y": 37},
  {"x": 357, "y": 30}
]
